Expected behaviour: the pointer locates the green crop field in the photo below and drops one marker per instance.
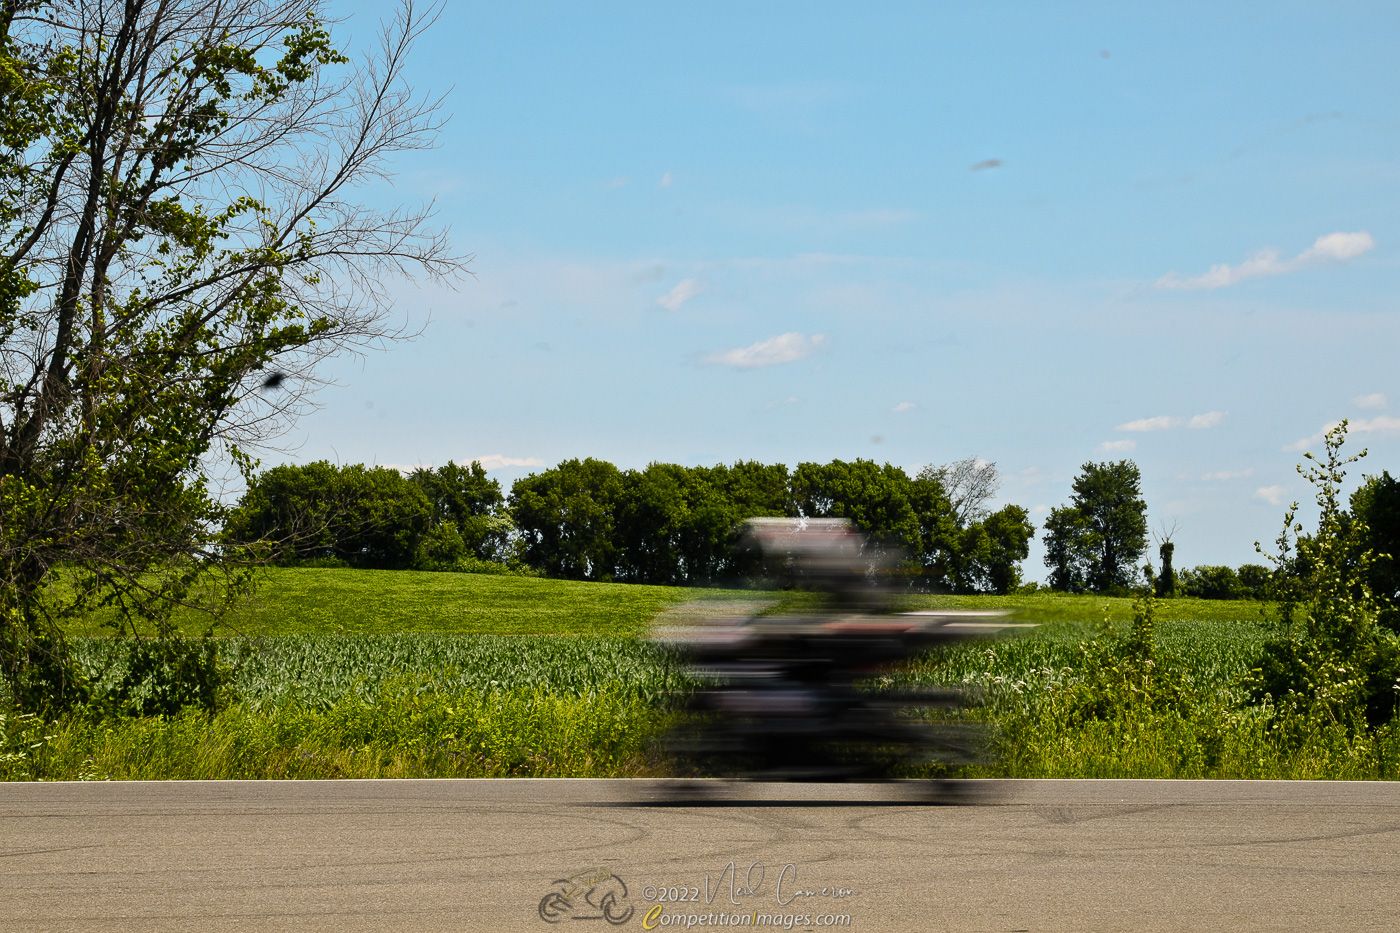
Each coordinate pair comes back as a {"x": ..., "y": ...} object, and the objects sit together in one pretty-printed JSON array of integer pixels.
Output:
[{"x": 343, "y": 673}]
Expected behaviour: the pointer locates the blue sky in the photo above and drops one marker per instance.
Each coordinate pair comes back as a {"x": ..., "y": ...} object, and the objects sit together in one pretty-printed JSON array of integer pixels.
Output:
[{"x": 1041, "y": 234}]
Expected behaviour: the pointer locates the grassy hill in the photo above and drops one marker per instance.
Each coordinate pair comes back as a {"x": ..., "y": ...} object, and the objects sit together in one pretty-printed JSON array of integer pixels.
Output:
[{"x": 294, "y": 601}]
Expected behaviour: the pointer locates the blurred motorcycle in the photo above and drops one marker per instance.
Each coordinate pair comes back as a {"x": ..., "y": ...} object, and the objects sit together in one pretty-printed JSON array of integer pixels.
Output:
[{"x": 784, "y": 696}]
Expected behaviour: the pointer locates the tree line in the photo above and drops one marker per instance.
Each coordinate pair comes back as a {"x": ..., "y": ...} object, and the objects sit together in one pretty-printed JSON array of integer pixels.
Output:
[{"x": 586, "y": 519}]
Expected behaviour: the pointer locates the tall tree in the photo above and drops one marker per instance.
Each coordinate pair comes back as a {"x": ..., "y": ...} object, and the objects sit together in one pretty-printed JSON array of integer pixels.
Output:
[
  {"x": 469, "y": 502},
  {"x": 1377, "y": 507},
  {"x": 1096, "y": 541},
  {"x": 567, "y": 519},
  {"x": 180, "y": 244}
]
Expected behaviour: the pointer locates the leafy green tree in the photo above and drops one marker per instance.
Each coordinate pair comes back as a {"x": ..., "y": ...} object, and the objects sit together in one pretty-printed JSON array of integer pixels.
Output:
[
  {"x": 1068, "y": 547},
  {"x": 566, "y": 518},
  {"x": 1376, "y": 505},
  {"x": 362, "y": 517},
  {"x": 180, "y": 243},
  {"x": 753, "y": 488},
  {"x": 651, "y": 517},
  {"x": 1097, "y": 540},
  {"x": 678, "y": 525},
  {"x": 470, "y": 503},
  {"x": 1255, "y": 581},
  {"x": 876, "y": 498},
  {"x": 990, "y": 552}
]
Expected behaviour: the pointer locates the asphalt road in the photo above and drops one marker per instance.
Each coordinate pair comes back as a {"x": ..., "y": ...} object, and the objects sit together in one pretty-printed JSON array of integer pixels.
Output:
[{"x": 482, "y": 855}]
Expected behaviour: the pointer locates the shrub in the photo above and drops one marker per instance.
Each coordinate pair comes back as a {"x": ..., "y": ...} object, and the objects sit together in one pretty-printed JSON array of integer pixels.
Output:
[
  {"x": 164, "y": 677},
  {"x": 1330, "y": 661},
  {"x": 1210, "y": 582},
  {"x": 1255, "y": 581}
]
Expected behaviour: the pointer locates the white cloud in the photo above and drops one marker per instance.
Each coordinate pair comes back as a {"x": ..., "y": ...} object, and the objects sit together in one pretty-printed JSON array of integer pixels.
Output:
[
  {"x": 1271, "y": 494},
  {"x": 1334, "y": 247},
  {"x": 666, "y": 180},
  {"x": 1311, "y": 440},
  {"x": 1384, "y": 425},
  {"x": 1381, "y": 425},
  {"x": 1159, "y": 423},
  {"x": 1040, "y": 509},
  {"x": 905, "y": 406},
  {"x": 497, "y": 461},
  {"x": 1374, "y": 400},
  {"x": 685, "y": 290},
  {"x": 784, "y": 348},
  {"x": 1228, "y": 474},
  {"x": 619, "y": 182},
  {"x": 1166, "y": 422},
  {"x": 1119, "y": 446}
]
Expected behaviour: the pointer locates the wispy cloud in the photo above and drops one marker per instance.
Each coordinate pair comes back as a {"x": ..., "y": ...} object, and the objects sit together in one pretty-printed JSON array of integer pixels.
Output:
[
  {"x": 784, "y": 348},
  {"x": 1334, "y": 247},
  {"x": 1123, "y": 446},
  {"x": 1312, "y": 439},
  {"x": 1381, "y": 426},
  {"x": 1384, "y": 425},
  {"x": 620, "y": 182},
  {"x": 685, "y": 290},
  {"x": 497, "y": 461},
  {"x": 666, "y": 180},
  {"x": 904, "y": 406},
  {"x": 1228, "y": 474},
  {"x": 1166, "y": 422},
  {"x": 1271, "y": 494},
  {"x": 1374, "y": 400},
  {"x": 1159, "y": 423}
]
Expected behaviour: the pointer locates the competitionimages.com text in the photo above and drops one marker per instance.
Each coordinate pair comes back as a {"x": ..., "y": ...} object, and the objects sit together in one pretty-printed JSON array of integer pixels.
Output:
[{"x": 658, "y": 917}]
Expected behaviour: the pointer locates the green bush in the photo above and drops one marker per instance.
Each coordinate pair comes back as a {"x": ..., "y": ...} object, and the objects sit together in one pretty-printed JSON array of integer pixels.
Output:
[
  {"x": 165, "y": 677},
  {"x": 1330, "y": 661},
  {"x": 1210, "y": 582}
]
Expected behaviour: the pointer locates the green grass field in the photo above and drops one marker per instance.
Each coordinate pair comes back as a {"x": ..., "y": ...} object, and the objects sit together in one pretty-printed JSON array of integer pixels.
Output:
[
  {"x": 294, "y": 601},
  {"x": 343, "y": 673}
]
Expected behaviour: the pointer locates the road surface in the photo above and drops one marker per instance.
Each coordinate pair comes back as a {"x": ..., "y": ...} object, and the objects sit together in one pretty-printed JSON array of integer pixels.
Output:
[{"x": 484, "y": 855}]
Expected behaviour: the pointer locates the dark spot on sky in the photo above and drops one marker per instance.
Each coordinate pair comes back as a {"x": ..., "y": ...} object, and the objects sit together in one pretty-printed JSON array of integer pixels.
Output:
[
  {"x": 1103, "y": 53},
  {"x": 986, "y": 164}
]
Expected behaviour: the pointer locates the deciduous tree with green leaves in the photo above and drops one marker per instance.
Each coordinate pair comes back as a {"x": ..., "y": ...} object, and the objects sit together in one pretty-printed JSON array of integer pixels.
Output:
[
  {"x": 1096, "y": 541},
  {"x": 181, "y": 241}
]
